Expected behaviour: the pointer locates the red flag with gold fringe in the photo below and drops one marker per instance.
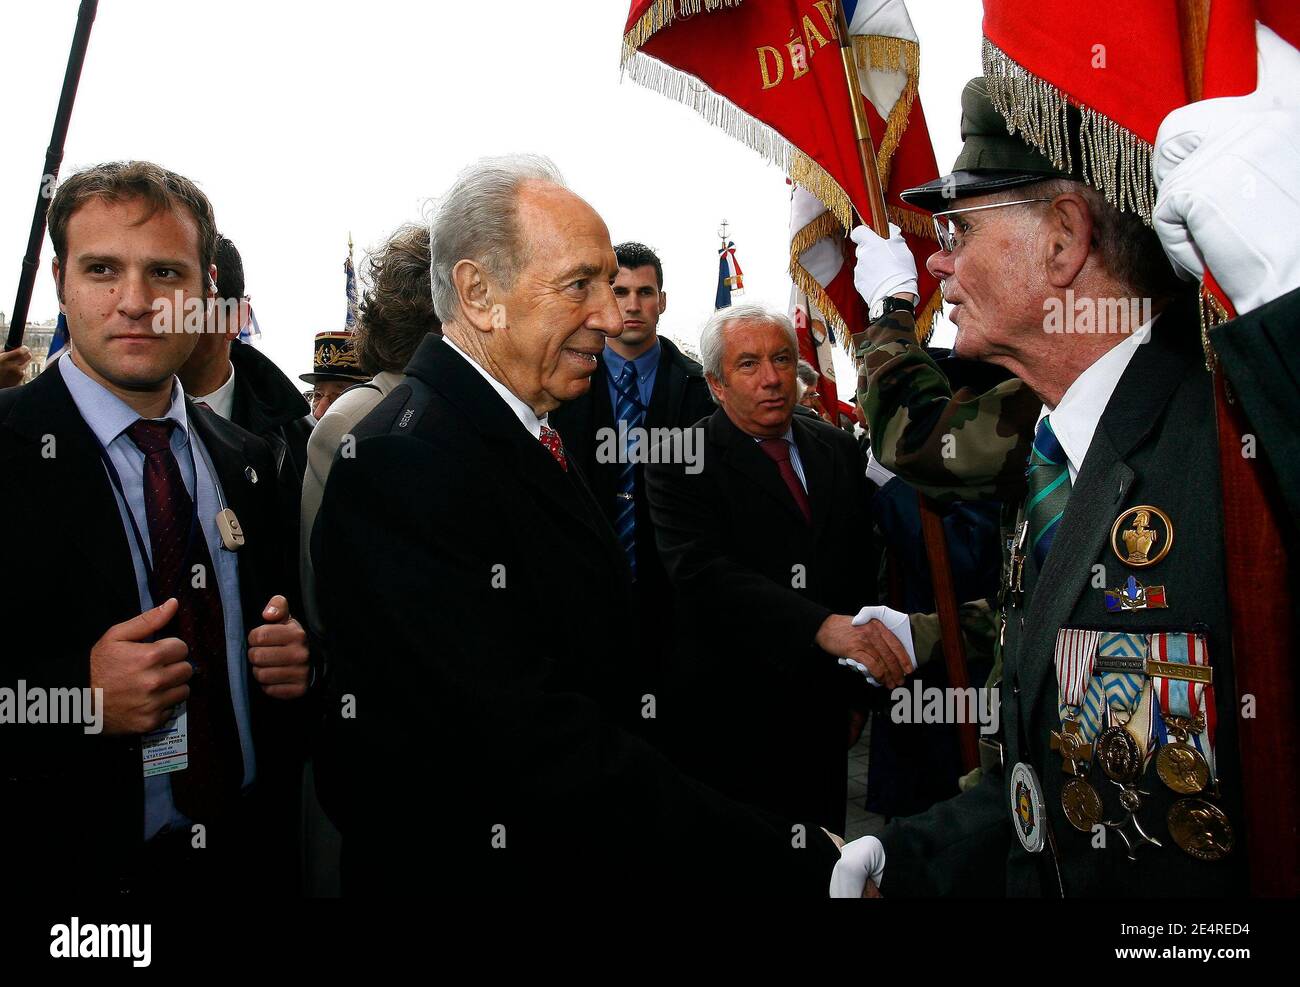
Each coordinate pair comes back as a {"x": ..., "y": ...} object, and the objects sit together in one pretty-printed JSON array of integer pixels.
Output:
[{"x": 887, "y": 58}]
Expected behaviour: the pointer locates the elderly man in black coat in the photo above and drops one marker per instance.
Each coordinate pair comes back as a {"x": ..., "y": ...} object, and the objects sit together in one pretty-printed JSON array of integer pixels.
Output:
[{"x": 489, "y": 685}]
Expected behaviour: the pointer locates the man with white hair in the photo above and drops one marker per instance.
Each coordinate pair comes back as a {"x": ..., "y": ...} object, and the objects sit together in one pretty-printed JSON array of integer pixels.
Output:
[
  {"x": 477, "y": 601},
  {"x": 769, "y": 549}
]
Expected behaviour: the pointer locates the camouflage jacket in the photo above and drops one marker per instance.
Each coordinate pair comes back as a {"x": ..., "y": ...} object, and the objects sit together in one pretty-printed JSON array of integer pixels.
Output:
[{"x": 962, "y": 446}]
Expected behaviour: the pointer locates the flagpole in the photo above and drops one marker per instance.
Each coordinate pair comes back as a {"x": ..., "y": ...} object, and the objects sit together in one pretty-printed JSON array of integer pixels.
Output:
[
  {"x": 936, "y": 543},
  {"x": 1257, "y": 583},
  {"x": 53, "y": 158},
  {"x": 879, "y": 219}
]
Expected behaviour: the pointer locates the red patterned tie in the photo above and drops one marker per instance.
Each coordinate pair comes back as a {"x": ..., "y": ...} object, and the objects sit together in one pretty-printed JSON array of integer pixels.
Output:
[
  {"x": 778, "y": 450},
  {"x": 551, "y": 439},
  {"x": 212, "y": 780}
]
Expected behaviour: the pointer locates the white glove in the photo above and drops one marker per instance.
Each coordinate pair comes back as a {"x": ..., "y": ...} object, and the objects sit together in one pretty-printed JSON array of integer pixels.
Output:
[
  {"x": 884, "y": 267},
  {"x": 862, "y": 859},
  {"x": 1227, "y": 178},
  {"x": 896, "y": 623}
]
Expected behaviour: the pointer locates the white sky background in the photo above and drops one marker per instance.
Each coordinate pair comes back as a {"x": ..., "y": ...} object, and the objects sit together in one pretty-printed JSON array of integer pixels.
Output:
[{"x": 304, "y": 121}]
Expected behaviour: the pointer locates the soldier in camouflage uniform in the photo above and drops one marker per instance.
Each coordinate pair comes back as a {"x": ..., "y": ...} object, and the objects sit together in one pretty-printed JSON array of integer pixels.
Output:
[{"x": 1118, "y": 427}]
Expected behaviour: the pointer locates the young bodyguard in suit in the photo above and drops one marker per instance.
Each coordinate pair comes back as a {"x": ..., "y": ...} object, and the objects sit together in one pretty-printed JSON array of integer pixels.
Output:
[
  {"x": 143, "y": 496},
  {"x": 769, "y": 549},
  {"x": 642, "y": 381},
  {"x": 477, "y": 601}
]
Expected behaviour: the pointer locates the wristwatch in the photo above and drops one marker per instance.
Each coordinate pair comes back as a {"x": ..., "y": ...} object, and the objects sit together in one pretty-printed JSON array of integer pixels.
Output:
[{"x": 891, "y": 304}]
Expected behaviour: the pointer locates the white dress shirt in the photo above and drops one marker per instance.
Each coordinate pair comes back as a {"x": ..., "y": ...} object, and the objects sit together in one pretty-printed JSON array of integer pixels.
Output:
[
  {"x": 222, "y": 400},
  {"x": 1075, "y": 418},
  {"x": 525, "y": 414}
]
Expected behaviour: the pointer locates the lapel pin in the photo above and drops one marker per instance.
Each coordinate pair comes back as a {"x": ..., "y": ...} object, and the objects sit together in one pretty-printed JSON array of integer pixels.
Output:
[
  {"x": 1142, "y": 536},
  {"x": 1134, "y": 596},
  {"x": 251, "y": 474}
]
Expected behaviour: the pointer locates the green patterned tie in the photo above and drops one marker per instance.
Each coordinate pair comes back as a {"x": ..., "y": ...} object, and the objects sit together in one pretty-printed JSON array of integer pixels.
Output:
[{"x": 1048, "y": 477}]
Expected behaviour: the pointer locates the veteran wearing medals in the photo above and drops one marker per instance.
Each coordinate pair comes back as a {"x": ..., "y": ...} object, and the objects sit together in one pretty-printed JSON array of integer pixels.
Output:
[{"x": 1120, "y": 772}]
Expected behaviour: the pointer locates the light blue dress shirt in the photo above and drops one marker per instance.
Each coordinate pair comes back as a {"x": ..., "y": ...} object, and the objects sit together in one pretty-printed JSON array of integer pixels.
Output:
[
  {"x": 108, "y": 417},
  {"x": 647, "y": 368}
]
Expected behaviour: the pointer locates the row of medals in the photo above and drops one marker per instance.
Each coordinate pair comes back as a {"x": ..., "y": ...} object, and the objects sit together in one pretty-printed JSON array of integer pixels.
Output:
[{"x": 1198, "y": 826}]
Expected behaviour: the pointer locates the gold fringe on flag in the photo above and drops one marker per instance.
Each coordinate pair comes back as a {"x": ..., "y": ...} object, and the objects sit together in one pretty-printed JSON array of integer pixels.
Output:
[
  {"x": 925, "y": 316},
  {"x": 731, "y": 119},
  {"x": 911, "y": 222},
  {"x": 811, "y": 287},
  {"x": 1116, "y": 162},
  {"x": 660, "y": 15},
  {"x": 1212, "y": 314},
  {"x": 823, "y": 225},
  {"x": 885, "y": 54}
]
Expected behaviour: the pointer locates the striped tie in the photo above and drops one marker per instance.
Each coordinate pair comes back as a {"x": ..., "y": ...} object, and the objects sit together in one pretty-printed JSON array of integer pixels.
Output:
[
  {"x": 632, "y": 411},
  {"x": 1049, "y": 489}
]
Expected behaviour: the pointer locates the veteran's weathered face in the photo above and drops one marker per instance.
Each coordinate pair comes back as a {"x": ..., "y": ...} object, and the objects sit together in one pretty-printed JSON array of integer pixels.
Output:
[{"x": 994, "y": 280}]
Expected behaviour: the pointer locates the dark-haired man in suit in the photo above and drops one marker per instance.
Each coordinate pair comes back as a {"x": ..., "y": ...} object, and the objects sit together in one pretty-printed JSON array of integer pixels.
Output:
[
  {"x": 164, "y": 556},
  {"x": 642, "y": 382}
]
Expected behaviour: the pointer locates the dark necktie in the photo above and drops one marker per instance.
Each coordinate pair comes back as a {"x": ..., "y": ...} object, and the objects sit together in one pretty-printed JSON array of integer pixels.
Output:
[
  {"x": 630, "y": 410},
  {"x": 778, "y": 450},
  {"x": 211, "y": 781},
  {"x": 1048, "y": 477}
]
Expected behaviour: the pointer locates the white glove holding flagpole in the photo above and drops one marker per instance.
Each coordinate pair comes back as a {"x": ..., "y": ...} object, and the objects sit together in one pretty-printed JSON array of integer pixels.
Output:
[
  {"x": 884, "y": 267},
  {"x": 859, "y": 860},
  {"x": 1229, "y": 183}
]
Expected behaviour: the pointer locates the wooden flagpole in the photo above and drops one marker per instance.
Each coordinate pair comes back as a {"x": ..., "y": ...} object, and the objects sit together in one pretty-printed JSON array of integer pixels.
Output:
[
  {"x": 1259, "y": 601},
  {"x": 936, "y": 544}
]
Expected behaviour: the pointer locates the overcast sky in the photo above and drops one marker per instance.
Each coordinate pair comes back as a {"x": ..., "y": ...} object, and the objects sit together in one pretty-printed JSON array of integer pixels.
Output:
[{"x": 304, "y": 121}]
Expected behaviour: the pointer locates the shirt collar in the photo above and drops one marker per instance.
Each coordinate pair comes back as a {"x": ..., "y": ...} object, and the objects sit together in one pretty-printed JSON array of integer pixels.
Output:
[
  {"x": 788, "y": 436},
  {"x": 527, "y": 417},
  {"x": 222, "y": 400},
  {"x": 1075, "y": 417},
  {"x": 644, "y": 363},
  {"x": 108, "y": 415}
]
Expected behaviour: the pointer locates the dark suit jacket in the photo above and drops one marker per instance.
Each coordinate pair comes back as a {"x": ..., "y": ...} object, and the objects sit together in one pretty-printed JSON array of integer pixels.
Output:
[
  {"x": 756, "y": 707},
  {"x": 680, "y": 399},
  {"x": 1156, "y": 445},
  {"x": 75, "y": 802},
  {"x": 476, "y": 604},
  {"x": 269, "y": 405}
]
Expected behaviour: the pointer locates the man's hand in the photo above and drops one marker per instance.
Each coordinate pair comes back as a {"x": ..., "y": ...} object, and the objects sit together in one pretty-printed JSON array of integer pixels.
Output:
[
  {"x": 869, "y": 644},
  {"x": 278, "y": 652},
  {"x": 142, "y": 680},
  {"x": 858, "y": 872},
  {"x": 13, "y": 365},
  {"x": 837, "y": 840},
  {"x": 884, "y": 267},
  {"x": 1225, "y": 170}
]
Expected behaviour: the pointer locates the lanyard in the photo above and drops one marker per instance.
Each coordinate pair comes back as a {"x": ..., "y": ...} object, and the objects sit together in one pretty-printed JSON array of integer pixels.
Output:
[{"x": 150, "y": 576}]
